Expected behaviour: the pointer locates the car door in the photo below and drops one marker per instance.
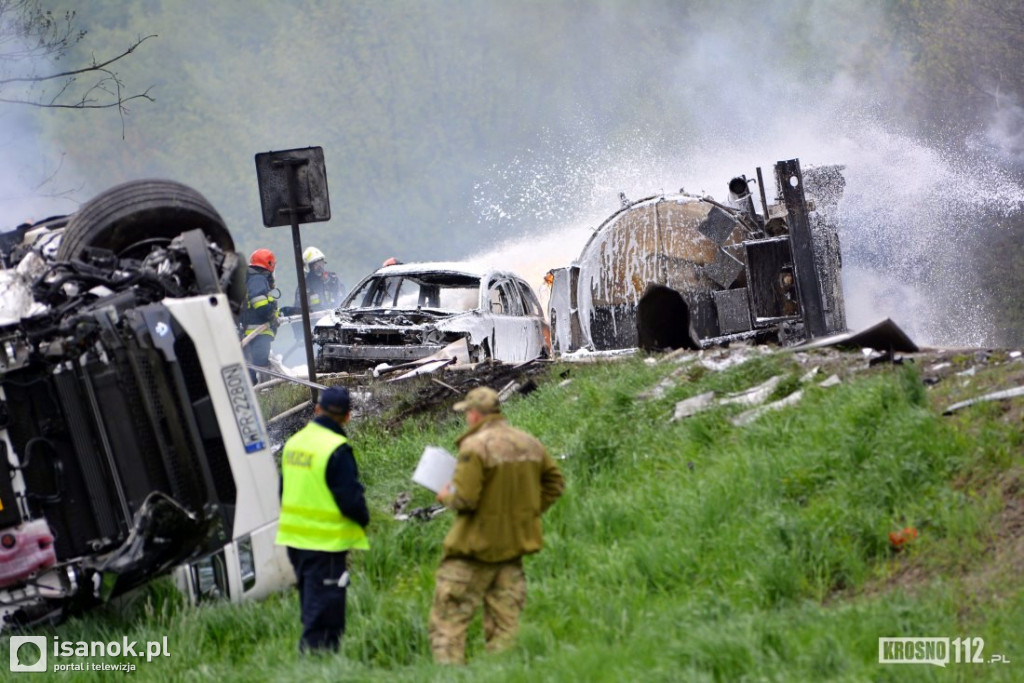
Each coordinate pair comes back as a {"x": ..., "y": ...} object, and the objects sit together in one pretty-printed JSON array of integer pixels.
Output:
[
  {"x": 537, "y": 332},
  {"x": 509, "y": 327}
]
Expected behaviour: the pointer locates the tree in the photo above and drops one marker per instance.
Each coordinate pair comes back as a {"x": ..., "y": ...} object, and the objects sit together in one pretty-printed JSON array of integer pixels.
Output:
[{"x": 32, "y": 42}]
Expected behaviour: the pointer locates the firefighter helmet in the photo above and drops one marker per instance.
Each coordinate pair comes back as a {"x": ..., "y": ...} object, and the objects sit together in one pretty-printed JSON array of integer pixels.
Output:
[
  {"x": 312, "y": 255},
  {"x": 263, "y": 258}
]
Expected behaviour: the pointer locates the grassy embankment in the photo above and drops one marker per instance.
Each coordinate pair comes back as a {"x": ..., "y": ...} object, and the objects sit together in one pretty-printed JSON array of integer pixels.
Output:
[{"x": 693, "y": 550}]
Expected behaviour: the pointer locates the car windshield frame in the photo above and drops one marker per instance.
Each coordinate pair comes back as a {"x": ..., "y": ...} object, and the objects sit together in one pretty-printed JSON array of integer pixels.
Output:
[{"x": 440, "y": 291}]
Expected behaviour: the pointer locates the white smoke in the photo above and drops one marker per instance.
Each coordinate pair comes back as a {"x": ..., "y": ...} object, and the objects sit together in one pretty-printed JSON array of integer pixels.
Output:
[
  {"x": 908, "y": 220},
  {"x": 34, "y": 180},
  {"x": 1005, "y": 131}
]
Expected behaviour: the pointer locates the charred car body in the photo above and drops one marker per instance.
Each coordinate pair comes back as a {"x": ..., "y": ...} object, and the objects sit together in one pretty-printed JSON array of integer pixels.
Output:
[
  {"x": 407, "y": 312},
  {"x": 131, "y": 438},
  {"x": 681, "y": 271}
]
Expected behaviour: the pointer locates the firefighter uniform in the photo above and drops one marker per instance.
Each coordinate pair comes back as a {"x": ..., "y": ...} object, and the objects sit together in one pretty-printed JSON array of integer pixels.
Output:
[
  {"x": 260, "y": 308},
  {"x": 323, "y": 516},
  {"x": 324, "y": 289}
]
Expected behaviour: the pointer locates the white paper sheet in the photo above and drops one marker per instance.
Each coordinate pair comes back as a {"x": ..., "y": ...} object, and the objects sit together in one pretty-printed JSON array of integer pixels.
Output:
[{"x": 435, "y": 469}]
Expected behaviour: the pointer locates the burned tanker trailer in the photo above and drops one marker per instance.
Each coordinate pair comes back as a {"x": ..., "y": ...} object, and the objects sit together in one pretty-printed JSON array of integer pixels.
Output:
[{"x": 681, "y": 271}]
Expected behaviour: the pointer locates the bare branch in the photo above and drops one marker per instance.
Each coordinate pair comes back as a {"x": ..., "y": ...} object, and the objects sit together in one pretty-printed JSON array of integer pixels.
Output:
[
  {"x": 82, "y": 104},
  {"x": 33, "y": 39},
  {"x": 53, "y": 175},
  {"x": 75, "y": 72}
]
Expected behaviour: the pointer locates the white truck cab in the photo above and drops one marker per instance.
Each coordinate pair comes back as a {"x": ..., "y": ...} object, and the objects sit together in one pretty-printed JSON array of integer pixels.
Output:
[{"x": 131, "y": 442}]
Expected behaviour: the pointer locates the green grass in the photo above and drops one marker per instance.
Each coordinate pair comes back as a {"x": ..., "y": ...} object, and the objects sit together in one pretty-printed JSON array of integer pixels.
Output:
[{"x": 693, "y": 550}]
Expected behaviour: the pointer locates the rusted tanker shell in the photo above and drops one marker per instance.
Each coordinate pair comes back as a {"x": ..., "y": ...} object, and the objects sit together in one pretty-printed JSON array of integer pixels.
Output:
[
  {"x": 653, "y": 241},
  {"x": 658, "y": 241},
  {"x": 677, "y": 270}
]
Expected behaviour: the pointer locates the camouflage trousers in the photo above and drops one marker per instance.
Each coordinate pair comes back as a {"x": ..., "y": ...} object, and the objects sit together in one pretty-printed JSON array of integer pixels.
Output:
[{"x": 462, "y": 585}]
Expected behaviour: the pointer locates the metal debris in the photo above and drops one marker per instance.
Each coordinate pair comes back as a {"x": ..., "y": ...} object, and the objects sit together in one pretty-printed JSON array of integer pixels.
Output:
[
  {"x": 425, "y": 514},
  {"x": 288, "y": 413},
  {"x": 810, "y": 374},
  {"x": 658, "y": 390},
  {"x": 996, "y": 396},
  {"x": 755, "y": 395},
  {"x": 507, "y": 391},
  {"x": 398, "y": 509},
  {"x": 446, "y": 386},
  {"x": 586, "y": 356},
  {"x": 679, "y": 356},
  {"x": 424, "y": 369},
  {"x": 884, "y": 336},
  {"x": 749, "y": 416},
  {"x": 401, "y": 503},
  {"x": 731, "y": 360},
  {"x": 693, "y": 405}
]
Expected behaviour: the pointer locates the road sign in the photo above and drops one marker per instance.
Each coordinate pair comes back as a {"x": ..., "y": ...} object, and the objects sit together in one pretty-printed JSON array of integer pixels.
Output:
[{"x": 274, "y": 171}]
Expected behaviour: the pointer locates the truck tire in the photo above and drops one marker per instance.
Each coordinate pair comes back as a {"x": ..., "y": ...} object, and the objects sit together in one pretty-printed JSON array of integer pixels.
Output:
[{"x": 131, "y": 218}]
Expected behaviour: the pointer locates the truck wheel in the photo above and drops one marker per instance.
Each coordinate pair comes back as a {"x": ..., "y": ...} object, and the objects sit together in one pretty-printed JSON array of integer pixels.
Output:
[{"x": 132, "y": 218}]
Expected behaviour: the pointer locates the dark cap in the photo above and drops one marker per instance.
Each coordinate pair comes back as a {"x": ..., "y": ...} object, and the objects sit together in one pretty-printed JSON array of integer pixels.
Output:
[
  {"x": 482, "y": 399},
  {"x": 335, "y": 400}
]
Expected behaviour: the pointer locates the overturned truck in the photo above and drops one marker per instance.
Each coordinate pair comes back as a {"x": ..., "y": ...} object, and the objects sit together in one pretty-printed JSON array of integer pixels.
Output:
[
  {"x": 682, "y": 271},
  {"x": 131, "y": 443}
]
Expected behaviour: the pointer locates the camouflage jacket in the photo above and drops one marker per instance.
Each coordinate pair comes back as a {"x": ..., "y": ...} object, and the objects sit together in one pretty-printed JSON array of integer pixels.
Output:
[{"x": 504, "y": 480}]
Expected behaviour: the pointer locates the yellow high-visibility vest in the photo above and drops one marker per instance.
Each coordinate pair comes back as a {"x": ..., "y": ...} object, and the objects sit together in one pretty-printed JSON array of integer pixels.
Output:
[{"x": 310, "y": 518}]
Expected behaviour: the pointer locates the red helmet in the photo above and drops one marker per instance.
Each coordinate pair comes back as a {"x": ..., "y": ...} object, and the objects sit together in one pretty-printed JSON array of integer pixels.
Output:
[{"x": 263, "y": 258}]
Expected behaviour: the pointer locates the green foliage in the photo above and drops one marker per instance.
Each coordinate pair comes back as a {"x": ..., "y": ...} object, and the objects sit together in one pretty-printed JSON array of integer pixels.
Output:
[{"x": 693, "y": 550}]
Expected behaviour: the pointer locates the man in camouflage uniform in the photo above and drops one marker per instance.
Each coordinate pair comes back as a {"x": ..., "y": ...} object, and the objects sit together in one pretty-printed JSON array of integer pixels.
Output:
[{"x": 504, "y": 480}]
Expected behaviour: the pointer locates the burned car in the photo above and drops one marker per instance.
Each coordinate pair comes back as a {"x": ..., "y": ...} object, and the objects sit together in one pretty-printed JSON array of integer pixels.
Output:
[
  {"x": 132, "y": 441},
  {"x": 686, "y": 271},
  {"x": 403, "y": 313}
]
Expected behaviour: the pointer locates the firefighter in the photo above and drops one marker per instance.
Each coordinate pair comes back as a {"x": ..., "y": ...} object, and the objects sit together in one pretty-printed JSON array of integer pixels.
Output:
[
  {"x": 260, "y": 308},
  {"x": 324, "y": 290},
  {"x": 323, "y": 516}
]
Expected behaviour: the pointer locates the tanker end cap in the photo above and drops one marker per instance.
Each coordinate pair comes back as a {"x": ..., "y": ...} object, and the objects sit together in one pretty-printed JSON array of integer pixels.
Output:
[{"x": 738, "y": 186}]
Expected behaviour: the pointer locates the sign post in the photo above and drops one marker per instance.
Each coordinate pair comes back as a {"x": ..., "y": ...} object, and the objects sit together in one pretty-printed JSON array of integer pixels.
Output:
[{"x": 293, "y": 190}]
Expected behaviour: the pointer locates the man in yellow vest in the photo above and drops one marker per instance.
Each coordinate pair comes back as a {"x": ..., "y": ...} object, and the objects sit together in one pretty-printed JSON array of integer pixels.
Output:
[
  {"x": 504, "y": 481},
  {"x": 323, "y": 516}
]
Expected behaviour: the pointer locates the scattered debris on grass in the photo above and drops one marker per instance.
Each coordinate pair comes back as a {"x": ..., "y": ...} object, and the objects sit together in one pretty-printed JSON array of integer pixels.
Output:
[
  {"x": 995, "y": 396},
  {"x": 693, "y": 405},
  {"x": 755, "y": 395},
  {"x": 749, "y": 416}
]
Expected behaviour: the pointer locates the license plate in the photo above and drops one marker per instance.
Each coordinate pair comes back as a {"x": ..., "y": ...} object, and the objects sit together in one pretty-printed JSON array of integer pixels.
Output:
[{"x": 243, "y": 404}]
